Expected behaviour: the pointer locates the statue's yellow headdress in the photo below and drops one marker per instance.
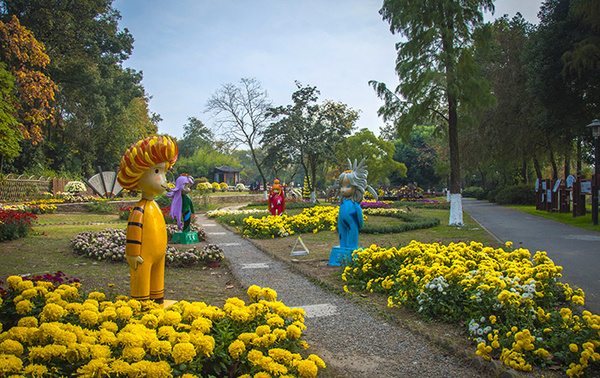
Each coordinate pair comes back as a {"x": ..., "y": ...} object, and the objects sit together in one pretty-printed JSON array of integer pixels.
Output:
[{"x": 143, "y": 155}]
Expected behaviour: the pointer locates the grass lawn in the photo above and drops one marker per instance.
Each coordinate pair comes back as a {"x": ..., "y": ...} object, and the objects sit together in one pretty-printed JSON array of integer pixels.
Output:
[
  {"x": 584, "y": 221},
  {"x": 47, "y": 250}
]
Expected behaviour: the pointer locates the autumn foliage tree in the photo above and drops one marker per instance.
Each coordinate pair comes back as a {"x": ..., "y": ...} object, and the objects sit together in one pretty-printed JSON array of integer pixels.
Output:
[{"x": 25, "y": 59}]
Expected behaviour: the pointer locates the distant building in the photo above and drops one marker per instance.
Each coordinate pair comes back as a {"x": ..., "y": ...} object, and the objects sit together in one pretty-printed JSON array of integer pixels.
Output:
[{"x": 226, "y": 174}]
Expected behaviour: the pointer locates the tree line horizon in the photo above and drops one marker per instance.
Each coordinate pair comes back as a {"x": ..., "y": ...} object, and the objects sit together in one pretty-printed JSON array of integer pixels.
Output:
[{"x": 512, "y": 97}]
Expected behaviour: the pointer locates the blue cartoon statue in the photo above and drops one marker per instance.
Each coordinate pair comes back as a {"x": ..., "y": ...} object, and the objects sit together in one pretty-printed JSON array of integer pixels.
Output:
[
  {"x": 352, "y": 185},
  {"x": 182, "y": 209}
]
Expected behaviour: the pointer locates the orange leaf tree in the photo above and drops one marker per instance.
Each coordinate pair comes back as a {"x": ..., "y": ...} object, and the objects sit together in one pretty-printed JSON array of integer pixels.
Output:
[{"x": 25, "y": 59}]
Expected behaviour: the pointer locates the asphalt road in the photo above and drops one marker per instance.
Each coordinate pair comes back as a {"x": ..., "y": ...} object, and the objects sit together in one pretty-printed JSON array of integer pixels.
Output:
[{"x": 575, "y": 249}]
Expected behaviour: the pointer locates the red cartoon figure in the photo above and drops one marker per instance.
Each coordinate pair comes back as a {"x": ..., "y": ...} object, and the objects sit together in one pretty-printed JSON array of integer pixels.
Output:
[{"x": 276, "y": 199}]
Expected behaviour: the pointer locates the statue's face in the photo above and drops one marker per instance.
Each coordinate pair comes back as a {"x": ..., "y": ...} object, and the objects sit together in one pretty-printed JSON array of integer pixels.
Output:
[
  {"x": 346, "y": 190},
  {"x": 153, "y": 181},
  {"x": 186, "y": 188}
]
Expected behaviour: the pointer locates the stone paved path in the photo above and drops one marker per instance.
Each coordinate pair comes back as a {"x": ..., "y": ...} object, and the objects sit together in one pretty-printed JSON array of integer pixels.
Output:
[{"x": 348, "y": 337}]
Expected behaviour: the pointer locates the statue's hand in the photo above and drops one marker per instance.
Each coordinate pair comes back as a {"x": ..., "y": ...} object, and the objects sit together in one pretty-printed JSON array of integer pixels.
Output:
[{"x": 134, "y": 261}]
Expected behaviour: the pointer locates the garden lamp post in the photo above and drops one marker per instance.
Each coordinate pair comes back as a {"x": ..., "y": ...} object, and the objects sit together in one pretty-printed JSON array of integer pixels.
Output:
[{"x": 595, "y": 126}]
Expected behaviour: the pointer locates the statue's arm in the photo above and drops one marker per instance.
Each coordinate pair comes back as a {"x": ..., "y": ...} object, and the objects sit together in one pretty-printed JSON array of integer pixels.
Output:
[{"x": 133, "y": 244}]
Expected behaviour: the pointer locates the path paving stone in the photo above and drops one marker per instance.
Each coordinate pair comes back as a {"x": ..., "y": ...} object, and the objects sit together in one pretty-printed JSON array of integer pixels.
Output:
[{"x": 348, "y": 337}]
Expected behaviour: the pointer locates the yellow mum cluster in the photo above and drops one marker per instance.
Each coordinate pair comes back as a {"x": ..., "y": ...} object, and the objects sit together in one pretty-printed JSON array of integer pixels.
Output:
[
  {"x": 32, "y": 207},
  {"x": 509, "y": 297},
  {"x": 313, "y": 219},
  {"x": 220, "y": 213},
  {"x": 57, "y": 333}
]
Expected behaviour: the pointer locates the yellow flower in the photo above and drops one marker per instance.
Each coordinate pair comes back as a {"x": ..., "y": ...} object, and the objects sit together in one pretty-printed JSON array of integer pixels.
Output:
[
  {"x": 262, "y": 330},
  {"x": 307, "y": 369},
  {"x": 160, "y": 348},
  {"x": 28, "y": 322},
  {"x": 205, "y": 344},
  {"x": 317, "y": 360},
  {"x": 269, "y": 294},
  {"x": 124, "y": 313},
  {"x": 236, "y": 348},
  {"x": 52, "y": 312},
  {"x": 24, "y": 306},
  {"x": 133, "y": 353},
  {"x": 574, "y": 348},
  {"x": 36, "y": 370},
  {"x": 24, "y": 285},
  {"x": 13, "y": 281},
  {"x": 10, "y": 364},
  {"x": 11, "y": 347},
  {"x": 293, "y": 332},
  {"x": 88, "y": 318},
  {"x": 183, "y": 352},
  {"x": 95, "y": 368},
  {"x": 254, "y": 292}
]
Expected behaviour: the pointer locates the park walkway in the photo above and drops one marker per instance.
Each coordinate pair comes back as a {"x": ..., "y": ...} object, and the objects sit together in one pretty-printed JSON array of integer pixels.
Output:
[
  {"x": 348, "y": 337},
  {"x": 575, "y": 249}
]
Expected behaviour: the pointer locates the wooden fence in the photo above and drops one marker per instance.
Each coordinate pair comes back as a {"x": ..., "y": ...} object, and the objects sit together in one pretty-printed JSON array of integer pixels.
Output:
[{"x": 21, "y": 188}]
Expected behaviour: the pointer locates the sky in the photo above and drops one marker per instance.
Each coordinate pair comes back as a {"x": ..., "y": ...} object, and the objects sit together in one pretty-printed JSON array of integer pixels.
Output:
[{"x": 188, "y": 49}]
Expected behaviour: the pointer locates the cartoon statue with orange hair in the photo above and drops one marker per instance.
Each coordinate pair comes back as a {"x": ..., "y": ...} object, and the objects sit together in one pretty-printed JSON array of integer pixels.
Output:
[
  {"x": 143, "y": 167},
  {"x": 276, "y": 199}
]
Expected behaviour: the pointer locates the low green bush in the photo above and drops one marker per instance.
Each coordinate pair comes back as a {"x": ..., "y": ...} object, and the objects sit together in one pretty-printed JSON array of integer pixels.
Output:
[
  {"x": 516, "y": 195},
  {"x": 162, "y": 200},
  {"x": 473, "y": 192},
  {"x": 422, "y": 205},
  {"x": 99, "y": 207},
  {"x": 491, "y": 193},
  {"x": 412, "y": 222}
]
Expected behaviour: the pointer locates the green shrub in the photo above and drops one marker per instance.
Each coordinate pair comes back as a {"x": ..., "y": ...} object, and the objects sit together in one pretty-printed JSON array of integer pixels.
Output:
[
  {"x": 422, "y": 205},
  {"x": 473, "y": 192},
  {"x": 412, "y": 222},
  {"x": 162, "y": 200},
  {"x": 516, "y": 195},
  {"x": 99, "y": 207},
  {"x": 491, "y": 193},
  {"x": 298, "y": 205}
]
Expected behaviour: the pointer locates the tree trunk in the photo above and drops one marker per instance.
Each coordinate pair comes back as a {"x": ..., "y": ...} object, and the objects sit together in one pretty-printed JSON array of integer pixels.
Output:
[
  {"x": 538, "y": 170},
  {"x": 578, "y": 157},
  {"x": 456, "y": 215},
  {"x": 312, "y": 183},
  {"x": 524, "y": 179},
  {"x": 567, "y": 168},
  {"x": 553, "y": 162},
  {"x": 482, "y": 175}
]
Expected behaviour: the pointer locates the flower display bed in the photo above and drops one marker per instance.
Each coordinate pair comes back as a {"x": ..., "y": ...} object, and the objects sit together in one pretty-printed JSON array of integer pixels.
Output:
[
  {"x": 517, "y": 309},
  {"x": 109, "y": 245},
  {"x": 51, "y": 329},
  {"x": 313, "y": 220}
]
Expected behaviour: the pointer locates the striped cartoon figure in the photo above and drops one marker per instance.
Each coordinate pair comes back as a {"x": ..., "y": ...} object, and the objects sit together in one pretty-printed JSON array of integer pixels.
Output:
[{"x": 143, "y": 168}]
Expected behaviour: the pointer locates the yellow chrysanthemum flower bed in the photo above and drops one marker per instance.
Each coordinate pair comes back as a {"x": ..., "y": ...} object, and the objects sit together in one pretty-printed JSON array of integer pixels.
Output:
[
  {"x": 313, "y": 219},
  {"x": 53, "y": 331},
  {"x": 508, "y": 299}
]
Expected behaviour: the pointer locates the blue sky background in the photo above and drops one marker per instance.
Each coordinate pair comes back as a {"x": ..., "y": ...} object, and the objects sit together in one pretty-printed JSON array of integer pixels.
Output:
[{"x": 187, "y": 49}]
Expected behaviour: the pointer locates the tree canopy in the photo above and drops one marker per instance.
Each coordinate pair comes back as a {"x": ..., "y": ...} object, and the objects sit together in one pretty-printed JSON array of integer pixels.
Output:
[
  {"x": 434, "y": 66},
  {"x": 96, "y": 102},
  {"x": 308, "y": 132}
]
